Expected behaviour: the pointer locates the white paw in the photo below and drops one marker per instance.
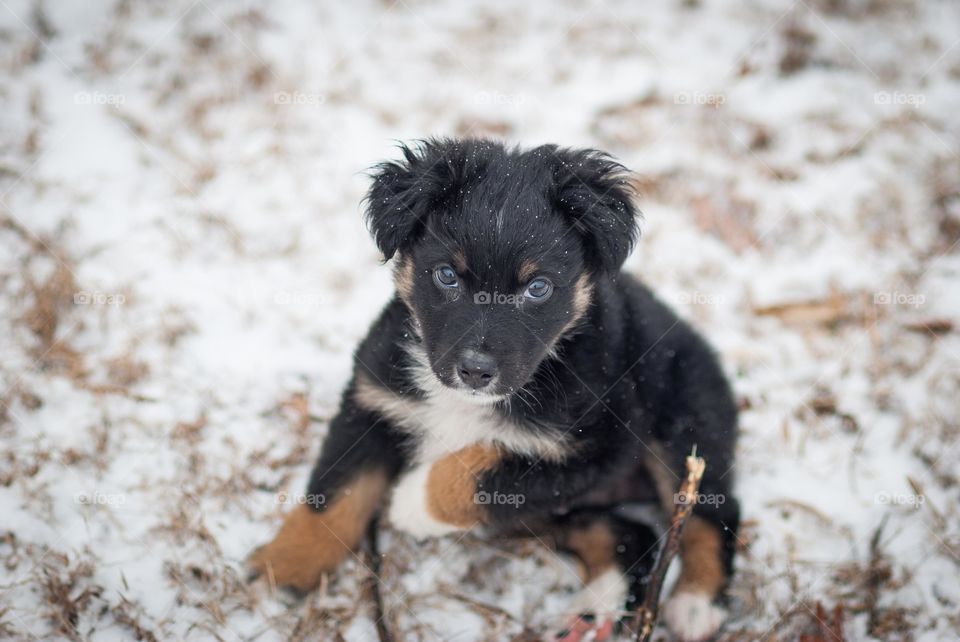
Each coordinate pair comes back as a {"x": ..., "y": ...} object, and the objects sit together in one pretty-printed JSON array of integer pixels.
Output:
[
  {"x": 408, "y": 508},
  {"x": 604, "y": 594},
  {"x": 693, "y": 616}
]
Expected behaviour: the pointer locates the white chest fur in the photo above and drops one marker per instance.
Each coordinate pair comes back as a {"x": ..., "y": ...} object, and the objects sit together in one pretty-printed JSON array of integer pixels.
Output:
[
  {"x": 444, "y": 421},
  {"x": 446, "y": 424},
  {"x": 442, "y": 424}
]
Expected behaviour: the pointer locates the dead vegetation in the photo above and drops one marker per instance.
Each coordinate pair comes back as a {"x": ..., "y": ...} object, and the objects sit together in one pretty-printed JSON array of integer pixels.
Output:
[
  {"x": 68, "y": 592},
  {"x": 49, "y": 303},
  {"x": 798, "y": 43},
  {"x": 827, "y": 628},
  {"x": 868, "y": 582}
]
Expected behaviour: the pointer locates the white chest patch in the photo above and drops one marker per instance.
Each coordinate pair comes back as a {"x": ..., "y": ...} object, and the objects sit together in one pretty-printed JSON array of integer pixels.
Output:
[
  {"x": 446, "y": 420},
  {"x": 408, "y": 510},
  {"x": 446, "y": 424}
]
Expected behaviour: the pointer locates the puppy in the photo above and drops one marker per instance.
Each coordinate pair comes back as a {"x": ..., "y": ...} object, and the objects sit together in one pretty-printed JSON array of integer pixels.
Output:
[{"x": 519, "y": 380}]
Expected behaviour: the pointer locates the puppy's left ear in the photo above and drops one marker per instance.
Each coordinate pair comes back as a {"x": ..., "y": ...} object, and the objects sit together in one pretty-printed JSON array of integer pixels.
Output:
[
  {"x": 406, "y": 192},
  {"x": 593, "y": 191}
]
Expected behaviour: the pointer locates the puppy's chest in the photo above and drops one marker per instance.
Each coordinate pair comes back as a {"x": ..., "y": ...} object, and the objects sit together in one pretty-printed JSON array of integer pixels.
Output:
[
  {"x": 442, "y": 423},
  {"x": 445, "y": 423}
]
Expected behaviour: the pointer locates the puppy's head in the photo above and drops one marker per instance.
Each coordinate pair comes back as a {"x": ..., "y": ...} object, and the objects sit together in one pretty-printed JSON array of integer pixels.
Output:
[{"x": 498, "y": 251}]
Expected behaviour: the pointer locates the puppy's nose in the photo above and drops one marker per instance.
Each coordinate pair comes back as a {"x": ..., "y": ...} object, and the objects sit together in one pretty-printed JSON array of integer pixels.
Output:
[{"x": 476, "y": 369}]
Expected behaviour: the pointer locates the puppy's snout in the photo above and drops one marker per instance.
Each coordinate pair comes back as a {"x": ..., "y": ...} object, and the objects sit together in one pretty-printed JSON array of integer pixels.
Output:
[{"x": 476, "y": 369}]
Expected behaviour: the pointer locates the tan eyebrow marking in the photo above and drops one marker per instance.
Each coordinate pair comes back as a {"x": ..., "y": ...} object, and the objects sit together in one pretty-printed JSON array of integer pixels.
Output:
[
  {"x": 527, "y": 269},
  {"x": 582, "y": 295},
  {"x": 582, "y": 291},
  {"x": 459, "y": 261},
  {"x": 403, "y": 278}
]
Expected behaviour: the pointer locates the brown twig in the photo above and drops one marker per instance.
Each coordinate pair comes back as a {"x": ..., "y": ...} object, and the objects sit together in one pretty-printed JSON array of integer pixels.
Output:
[
  {"x": 878, "y": 573},
  {"x": 373, "y": 583},
  {"x": 645, "y": 618}
]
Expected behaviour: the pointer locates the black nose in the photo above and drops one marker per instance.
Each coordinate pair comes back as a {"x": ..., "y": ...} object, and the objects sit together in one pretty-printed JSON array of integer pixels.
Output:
[{"x": 476, "y": 369}]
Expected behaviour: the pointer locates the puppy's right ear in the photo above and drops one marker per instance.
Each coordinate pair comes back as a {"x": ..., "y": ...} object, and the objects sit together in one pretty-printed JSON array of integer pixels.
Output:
[{"x": 405, "y": 192}]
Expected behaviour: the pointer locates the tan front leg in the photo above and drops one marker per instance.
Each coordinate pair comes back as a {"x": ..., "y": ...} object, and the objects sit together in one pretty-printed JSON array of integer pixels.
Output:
[
  {"x": 438, "y": 498},
  {"x": 701, "y": 554},
  {"x": 452, "y": 485},
  {"x": 311, "y": 543}
]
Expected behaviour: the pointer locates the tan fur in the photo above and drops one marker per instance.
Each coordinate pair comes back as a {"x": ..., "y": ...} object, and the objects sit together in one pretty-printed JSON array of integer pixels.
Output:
[
  {"x": 403, "y": 279},
  {"x": 701, "y": 554},
  {"x": 452, "y": 485},
  {"x": 665, "y": 480},
  {"x": 594, "y": 545},
  {"x": 582, "y": 295},
  {"x": 459, "y": 260},
  {"x": 311, "y": 543},
  {"x": 375, "y": 398},
  {"x": 527, "y": 270}
]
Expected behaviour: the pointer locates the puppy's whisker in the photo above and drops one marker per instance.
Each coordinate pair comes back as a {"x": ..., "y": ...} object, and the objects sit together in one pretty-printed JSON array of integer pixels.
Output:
[{"x": 520, "y": 396}]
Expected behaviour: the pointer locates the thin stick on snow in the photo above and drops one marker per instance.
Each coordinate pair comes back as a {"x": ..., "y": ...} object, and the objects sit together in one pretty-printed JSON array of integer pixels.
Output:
[
  {"x": 645, "y": 618},
  {"x": 384, "y": 634}
]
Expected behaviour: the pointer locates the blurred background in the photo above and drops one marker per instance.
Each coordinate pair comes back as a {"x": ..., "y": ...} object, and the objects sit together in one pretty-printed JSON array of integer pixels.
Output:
[{"x": 184, "y": 273}]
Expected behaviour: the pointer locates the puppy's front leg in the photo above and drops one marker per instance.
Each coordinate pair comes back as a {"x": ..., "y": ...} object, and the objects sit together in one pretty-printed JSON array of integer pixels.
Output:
[
  {"x": 312, "y": 542},
  {"x": 481, "y": 484},
  {"x": 360, "y": 456},
  {"x": 440, "y": 497}
]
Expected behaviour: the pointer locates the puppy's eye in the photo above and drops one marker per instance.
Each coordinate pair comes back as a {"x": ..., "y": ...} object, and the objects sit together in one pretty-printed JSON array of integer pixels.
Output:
[
  {"x": 445, "y": 277},
  {"x": 539, "y": 290}
]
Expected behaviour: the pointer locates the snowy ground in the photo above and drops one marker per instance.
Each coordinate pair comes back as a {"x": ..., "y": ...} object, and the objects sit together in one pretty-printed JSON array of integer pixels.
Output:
[{"x": 184, "y": 272}]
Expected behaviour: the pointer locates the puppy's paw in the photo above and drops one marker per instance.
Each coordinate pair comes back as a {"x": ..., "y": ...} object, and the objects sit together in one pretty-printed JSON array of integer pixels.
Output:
[
  {"x": 599, "y": 604},
  {"x": 305, "y": 548},
  {"x": 605, "y": 593},
  {"x": 693, "y": 616},
  {"x": 409, "y": 511}
]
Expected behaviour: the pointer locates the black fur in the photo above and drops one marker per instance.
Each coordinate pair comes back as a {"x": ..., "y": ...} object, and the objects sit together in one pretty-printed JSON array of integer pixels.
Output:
[{"x": 625, "y": 375}]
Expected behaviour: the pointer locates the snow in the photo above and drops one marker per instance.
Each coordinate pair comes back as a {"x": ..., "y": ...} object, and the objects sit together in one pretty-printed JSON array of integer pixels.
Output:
[{"x": 195, "y": 169}]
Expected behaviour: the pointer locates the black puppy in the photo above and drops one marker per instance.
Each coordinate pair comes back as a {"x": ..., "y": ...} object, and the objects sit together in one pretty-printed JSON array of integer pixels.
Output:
[{"x": 519, "y": 379}]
